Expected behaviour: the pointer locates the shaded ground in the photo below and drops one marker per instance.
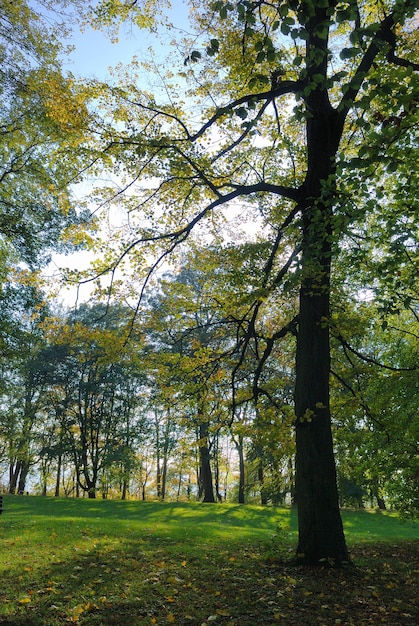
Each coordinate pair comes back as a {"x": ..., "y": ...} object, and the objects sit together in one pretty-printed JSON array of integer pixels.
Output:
[{"x": 236, "y": 586}]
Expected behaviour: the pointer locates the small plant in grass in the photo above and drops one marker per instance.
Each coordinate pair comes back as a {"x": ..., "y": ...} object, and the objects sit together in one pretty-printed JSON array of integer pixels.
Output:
[{"x": 280, "y": 546}]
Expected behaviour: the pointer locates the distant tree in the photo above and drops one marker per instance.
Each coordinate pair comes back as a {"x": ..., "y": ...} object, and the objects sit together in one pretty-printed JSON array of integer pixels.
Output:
[
  {"x": 376, "y": 429},
  {"x": 96, "y": 381}
]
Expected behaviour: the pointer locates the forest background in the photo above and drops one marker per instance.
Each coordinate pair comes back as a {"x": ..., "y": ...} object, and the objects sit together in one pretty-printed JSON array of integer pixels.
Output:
[{"x": 250, "y": 210}]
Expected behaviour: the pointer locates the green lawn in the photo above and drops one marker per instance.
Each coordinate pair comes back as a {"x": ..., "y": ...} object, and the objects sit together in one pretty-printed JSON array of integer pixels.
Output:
[{"x": 110, "y": 562}]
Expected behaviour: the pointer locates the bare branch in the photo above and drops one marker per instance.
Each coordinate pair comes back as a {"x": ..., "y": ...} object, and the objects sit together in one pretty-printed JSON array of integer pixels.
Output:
[
  {"x": 286, "y": 87},
  {"x": 368, "y": 359}
]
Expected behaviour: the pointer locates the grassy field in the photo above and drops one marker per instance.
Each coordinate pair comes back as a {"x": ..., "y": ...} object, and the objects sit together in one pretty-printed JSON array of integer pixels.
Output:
[{"x": 130, "y": 563}]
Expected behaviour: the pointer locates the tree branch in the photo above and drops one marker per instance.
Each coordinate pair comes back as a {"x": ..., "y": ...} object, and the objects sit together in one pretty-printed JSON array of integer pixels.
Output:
[
  {"x": 368, "y": 359},
  {"x": 286, "y": 87},
  {"x": 383, "y": 34}
]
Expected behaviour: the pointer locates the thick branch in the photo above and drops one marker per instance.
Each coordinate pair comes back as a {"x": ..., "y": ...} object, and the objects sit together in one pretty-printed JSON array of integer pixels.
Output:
[
  {"x": 384, "y": 34},
  {"x": 285, "y": 330},
  {"x": 286, "y": 87}
]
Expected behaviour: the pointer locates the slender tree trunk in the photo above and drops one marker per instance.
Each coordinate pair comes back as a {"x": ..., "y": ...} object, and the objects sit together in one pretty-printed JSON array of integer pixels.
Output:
[
  {"x": 124, "y": 489},
  {"x": 158, "y": 477},
  {"x": 216, "y": 457},
  {"x": 179, "y": 485},
  {"x": 381, "y": 503},
  {"x": 164, "y": 475},
  {"x": 240, "y": 450},
  {"x": 58, "y": 477},
  {"x": 291, "y": 474},
  {"x": 205, "y": 473}
]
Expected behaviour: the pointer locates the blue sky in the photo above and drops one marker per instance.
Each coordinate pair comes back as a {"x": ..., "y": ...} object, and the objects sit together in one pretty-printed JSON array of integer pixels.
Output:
[{"x": 94, "y": 52}]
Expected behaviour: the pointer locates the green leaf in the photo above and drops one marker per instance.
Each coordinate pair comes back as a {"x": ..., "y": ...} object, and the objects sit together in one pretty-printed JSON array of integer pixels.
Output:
[
  {"x": 349, "y": 53},
  {"x": 242, "y": 112},
  {"x": 195, "y": 56}
]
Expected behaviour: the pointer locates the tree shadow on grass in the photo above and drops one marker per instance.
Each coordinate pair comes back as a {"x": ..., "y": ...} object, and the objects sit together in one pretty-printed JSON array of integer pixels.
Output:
[{"x": 136, "y": 584}]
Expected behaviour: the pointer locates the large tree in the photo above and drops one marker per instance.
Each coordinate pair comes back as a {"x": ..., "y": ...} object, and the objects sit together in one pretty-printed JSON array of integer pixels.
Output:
[
  {"x": 43, "y": 123},
  {"x": 302, "y": 110}
]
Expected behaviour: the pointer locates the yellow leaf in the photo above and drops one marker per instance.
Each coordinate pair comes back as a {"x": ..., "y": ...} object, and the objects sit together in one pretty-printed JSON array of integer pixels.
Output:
[
  {"x": 171, "y": 618},
  {"x": 78, "y": 610},
  {"x": 24, "y": 600}
]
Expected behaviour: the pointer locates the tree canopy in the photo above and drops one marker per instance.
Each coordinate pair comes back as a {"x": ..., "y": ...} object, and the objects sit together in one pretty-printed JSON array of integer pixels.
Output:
[
  {"x": 305, "y": 113},
  {"x": 281, "y": 137}
]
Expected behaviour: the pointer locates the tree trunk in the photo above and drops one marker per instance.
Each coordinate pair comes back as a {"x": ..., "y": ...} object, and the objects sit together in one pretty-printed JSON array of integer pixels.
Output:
[
  {"x": 205, "y": 473},
  {"x": 381, "y": 503},
  {"x": 124, "y": 489},
  {"x": 320, "y": 527},
  {"x": 164, "y": 475},
  {"x": 216, "y": 457},
  {"x": 158, "y": 477},
  {"x": 321, "y": 537},
  {"x": 14, "y": 469},
  {"x": 24, "y": 471},
  {"x": 58, "y": 476},
  {"x": 240, "y": 451}
]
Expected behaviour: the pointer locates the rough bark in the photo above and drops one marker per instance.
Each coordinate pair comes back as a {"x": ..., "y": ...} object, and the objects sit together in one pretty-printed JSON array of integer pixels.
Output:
[{"x": 321, "y": 537}]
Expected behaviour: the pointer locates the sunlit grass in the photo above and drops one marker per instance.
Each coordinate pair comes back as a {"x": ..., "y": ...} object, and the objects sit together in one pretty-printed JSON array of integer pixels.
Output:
[{"x": 68, "y": 560}]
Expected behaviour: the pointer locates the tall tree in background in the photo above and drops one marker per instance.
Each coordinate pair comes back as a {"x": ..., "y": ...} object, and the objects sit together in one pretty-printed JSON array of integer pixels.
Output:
[
  {"x": 43, "y": 122},
  {"x": 303, "y": 110}
]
